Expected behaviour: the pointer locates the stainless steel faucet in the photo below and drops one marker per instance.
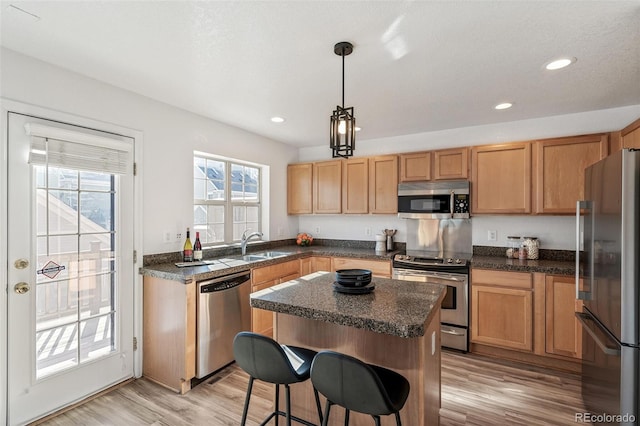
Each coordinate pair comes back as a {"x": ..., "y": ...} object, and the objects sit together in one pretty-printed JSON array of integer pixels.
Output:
[{"x": 245, "y": 239}]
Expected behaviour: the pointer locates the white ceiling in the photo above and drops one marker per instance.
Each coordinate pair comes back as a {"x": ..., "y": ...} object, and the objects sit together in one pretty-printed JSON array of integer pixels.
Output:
[{"x": 417, "y": 66}]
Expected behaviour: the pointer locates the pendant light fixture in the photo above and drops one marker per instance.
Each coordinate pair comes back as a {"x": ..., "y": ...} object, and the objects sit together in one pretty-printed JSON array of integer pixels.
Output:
[{"x": 343, "y": 122}]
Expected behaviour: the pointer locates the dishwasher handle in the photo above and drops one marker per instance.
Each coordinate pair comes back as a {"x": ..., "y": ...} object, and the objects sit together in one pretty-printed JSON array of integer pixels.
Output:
[{"x": 223, "y": 283}]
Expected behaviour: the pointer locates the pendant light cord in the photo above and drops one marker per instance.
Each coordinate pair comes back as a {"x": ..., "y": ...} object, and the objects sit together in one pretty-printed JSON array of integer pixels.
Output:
[{"x": 343, "y": 77}]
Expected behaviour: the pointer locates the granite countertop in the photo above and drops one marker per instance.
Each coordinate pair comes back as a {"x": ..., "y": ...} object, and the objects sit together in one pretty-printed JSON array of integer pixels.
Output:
[
  {"x": 232, "y": 264},
  {"x": 556, "y": 267},
  {"x": 398, "y": 308}
]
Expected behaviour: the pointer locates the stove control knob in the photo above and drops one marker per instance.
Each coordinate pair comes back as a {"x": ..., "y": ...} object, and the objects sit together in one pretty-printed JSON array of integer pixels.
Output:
[
  {"x": 449, "y": 260},
  {"x": 458, "y": 261}
]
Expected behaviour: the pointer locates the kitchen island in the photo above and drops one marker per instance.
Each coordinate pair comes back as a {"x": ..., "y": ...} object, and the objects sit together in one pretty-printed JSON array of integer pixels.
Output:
[{"x": 396, "y": 326}]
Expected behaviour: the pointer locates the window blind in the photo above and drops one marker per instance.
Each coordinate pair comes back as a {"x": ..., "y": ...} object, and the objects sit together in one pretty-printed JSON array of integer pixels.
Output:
[{"x": 76, "y": 150}]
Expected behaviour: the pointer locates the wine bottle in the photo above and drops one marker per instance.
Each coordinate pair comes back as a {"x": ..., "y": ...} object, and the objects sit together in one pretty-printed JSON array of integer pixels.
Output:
[
  {"x": 197, "y": 248},
  {"x": 187, "y": 250}
]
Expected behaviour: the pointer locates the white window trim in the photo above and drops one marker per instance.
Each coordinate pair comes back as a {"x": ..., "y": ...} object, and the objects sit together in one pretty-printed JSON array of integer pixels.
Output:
[{"x": 228, "y": 203}]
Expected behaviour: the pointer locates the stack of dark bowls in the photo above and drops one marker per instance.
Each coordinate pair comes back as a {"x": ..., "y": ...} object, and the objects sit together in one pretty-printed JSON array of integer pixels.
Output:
[{"x": 353, "y": 281}]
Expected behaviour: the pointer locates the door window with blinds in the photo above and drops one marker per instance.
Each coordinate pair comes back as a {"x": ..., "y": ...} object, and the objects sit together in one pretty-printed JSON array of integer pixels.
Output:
[
  {"x": 226, "y": 198},
  {"x": 76, "y": 180}
]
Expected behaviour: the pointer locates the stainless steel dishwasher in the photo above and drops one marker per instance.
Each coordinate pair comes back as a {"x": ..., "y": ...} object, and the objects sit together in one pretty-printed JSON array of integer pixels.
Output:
[{"x": 223, "y": 311}]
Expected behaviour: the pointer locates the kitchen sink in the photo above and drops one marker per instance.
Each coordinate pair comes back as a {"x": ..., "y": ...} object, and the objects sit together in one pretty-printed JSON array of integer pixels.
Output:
[
  {"x": 265, "y": 255},
  {"x": 254, "y": 257}
]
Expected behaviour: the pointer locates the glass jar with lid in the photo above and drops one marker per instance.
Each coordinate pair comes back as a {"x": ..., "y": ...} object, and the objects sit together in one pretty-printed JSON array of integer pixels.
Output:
[
  {"x": 513, "y": 246},
  {"x": 532, "y": 244}
]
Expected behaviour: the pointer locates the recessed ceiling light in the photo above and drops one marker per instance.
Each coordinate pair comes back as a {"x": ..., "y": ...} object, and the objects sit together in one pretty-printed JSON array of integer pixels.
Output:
[
  {"x": 504, "y": 105},
  {"x": 557, "y": 64},
  {"x": 277, "y": 119}
]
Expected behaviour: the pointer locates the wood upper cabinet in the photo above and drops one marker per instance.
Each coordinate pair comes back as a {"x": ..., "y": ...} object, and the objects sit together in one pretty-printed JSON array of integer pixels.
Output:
[
  {"x": 300, "y": 188},
  {"x": 451, "y": 164},
  {"x": 502, "y": 309},
  {"x": 563, "y": 332},
  {"x": 631, "y": 135},
  {"x": 383, "y": 184},
  {"x": 327, "y": 187},
  {"x": 559, "y": 170},
  {"x": 265, "y": 277},
  {"x": 415, "y": 166},
  {"x": 501, "y": 178},
  {"x": 355, "y": 185}
]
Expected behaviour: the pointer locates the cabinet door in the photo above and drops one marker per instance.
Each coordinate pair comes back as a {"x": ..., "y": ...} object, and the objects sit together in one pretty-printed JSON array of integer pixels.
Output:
[
  {"x": 415, "y": 166},
  {"x": 305, "y": 266},
  {"x": 383, "y": 184},
  {"x": 299, "y": 188},
  {"x": 274, "y": 272},
  {"x": 501, "y": 178},
  {"x": 451, "y": 164},
  {"x": 563, "y": 333},
  {"x": 355, "y": 186},
  {"x": 502, "y": 317},
  {"x": 320, "y": 263},
  {"x": 262, "y": 320},
  {"x": 327, "y": 187},
  {"x": 631, "y": 135},
  {"x": 378, "y": 268},
  {"x": 559, "y": 170}
]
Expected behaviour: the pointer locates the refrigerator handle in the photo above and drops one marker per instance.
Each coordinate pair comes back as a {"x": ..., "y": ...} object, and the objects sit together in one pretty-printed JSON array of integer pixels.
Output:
[
  {"x": 585, "y": 319},
  {"x": 589, "y": 267}
]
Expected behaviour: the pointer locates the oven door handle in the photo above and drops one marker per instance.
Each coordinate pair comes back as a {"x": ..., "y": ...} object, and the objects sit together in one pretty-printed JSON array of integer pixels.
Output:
[
  {"x": 451, "y": 332},
  {"x": 444, "y": 278}
]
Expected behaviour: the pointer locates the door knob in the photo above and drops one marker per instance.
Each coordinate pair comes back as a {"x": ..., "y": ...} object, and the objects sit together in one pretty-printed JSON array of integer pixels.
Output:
[
  {"x": 22, "y": 288},
  {"x": 21, "y": 263}
]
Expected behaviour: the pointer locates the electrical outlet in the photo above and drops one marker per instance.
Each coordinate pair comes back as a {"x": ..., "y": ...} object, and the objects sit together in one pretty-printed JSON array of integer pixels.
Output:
[
  {"x": 317, "y": 230},
  {"x": 367, "y": 231},
  {"x": 492, "y": 235},
  {"x": 166, "y": 236},
  {"x": 179, "y": 236}
]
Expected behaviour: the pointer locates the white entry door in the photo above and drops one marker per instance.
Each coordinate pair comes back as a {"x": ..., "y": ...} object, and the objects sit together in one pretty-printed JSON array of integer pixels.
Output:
[{"x": 71, "y": 269}]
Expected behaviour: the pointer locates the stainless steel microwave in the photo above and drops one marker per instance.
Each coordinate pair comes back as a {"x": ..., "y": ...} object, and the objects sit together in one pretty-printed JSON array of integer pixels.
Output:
[{"x": 433, "y": 200}]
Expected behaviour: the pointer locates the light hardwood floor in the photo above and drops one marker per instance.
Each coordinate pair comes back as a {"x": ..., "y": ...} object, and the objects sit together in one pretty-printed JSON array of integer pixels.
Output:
[{"x": 475, "y": 391}]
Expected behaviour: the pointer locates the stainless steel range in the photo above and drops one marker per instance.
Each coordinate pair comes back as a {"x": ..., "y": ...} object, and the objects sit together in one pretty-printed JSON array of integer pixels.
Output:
[
  {"x": 451, "y": 271},
  {"x": 439, "y": 251}
]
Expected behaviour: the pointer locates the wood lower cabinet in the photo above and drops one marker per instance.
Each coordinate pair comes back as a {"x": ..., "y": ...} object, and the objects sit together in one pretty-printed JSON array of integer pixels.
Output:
[
  {"x": 169, "y": 343},
  {"x": 355, "y": 185},
  {"x": 559, "y": 170},
  {"x": 502, "y": 309},
  {"x": 415, "y": 166},
  {"x": 300, "y": 188},
  {"x": 383, "y": 184},
  {"x": 265, "y": 277},
  {"x": 312, "y": 264},
  {"x": 631, "y": 135},
  {"x": 451, "y": 164},
  {"x": 563, "y": 332},
  {"x": 378, "y": 268},
  {"x": 501, "y": 178},
  {"x": 327, "y": 187}
]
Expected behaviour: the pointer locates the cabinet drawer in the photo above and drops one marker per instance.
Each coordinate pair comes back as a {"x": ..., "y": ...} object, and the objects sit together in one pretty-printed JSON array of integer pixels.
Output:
[
  {"x": 378, "y": 268},
  {"x": 259, "y": 275},
  {"x": 501, "y": 278}
]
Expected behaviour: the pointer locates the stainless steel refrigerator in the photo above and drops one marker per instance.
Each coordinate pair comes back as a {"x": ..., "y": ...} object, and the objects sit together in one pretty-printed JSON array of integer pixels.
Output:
[{"x": 607, "y": 270}]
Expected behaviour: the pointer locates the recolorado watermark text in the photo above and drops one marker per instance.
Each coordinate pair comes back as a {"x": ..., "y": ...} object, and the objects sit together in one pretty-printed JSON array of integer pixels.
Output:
[{"x": 604, "y": 418}]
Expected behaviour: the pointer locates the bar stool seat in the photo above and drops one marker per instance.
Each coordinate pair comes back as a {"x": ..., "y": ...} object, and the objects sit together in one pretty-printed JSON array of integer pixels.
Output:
[
  {"x": 357, "y": 386},
  {"x": 265, "y": 359}
]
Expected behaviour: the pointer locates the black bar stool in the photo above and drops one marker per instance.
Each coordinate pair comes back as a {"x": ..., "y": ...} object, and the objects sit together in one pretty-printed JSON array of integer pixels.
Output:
[
  {"x": 265, "y": 359},
  {"x": 357, "y": 386}
]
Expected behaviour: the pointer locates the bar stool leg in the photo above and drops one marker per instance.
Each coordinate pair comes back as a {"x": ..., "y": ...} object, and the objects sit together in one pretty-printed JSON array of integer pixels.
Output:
[
  {"x": 246, "y": 402},
  {"x": 277, "y": 407},
  {"x": 346, "y": 417},
  {"x": 318, "y": 406},
  {"x": 398, "y": 422},
  {"x": 325, "y": 420},
  {"x": 377, "y": 420},
  {"x": 288, "y": 398}
]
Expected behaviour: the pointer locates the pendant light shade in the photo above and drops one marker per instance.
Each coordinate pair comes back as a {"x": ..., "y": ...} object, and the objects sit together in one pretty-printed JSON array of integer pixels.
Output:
[{"x": 342, "y": 134}]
